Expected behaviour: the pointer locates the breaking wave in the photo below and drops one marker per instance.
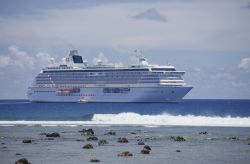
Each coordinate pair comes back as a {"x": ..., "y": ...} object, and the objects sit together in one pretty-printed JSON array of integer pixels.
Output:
[
  {"x": 167, "y": 119},
  {"x": 130, "y": 118}
]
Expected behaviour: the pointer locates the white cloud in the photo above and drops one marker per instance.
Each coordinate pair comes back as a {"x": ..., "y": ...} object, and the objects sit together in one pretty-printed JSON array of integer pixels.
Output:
[
  {"x": 244, "y": 63},
  {"x": 20, "y": 58},
  {"x": 101, "y": 58},
  {"x": 17, "y": 58},
  {"x": 4, "y": 61},
  {"x": 45, "y": 57}
]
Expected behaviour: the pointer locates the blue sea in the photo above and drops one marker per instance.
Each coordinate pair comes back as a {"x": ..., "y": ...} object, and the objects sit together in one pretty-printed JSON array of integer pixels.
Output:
[
  {"x": 226, "y": 123},
  {"x": 235, "y": 113}
]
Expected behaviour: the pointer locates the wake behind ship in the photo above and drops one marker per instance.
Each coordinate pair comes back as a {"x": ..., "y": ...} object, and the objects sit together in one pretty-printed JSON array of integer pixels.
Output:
[{"x": 75, "y": 81}]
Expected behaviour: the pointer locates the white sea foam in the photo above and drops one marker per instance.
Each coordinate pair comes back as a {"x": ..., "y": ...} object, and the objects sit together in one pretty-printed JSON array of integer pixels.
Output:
[
  {"x": 45, "y": 123},
  {"x": 167, "y": 119},
  {"x": 6, "y": 125},
  {"x": 130, "y": 118}
]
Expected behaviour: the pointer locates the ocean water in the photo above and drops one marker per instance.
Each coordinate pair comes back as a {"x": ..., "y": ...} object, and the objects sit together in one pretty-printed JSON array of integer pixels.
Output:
[
  {"x": 234, "y": 113},
  {"x": 227, "y": 123}
]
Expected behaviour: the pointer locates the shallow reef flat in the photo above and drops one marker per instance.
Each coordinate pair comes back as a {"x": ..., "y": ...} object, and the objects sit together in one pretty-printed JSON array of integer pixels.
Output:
[{"x": 124, "y": 144}]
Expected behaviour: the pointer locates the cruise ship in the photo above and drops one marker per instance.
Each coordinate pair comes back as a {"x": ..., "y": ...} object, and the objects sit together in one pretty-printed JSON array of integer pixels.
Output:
[{"x": 76, "y": 81}]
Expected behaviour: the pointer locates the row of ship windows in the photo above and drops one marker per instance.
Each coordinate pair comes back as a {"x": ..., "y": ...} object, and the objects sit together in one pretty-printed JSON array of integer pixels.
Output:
[
  {"x": 126, "y": 79},
  {"x": 44, "y": 91},
  {"x": 74, "y": 82},
  {"x": 98, "y": 70},
  {"x": 69, "y": 79},
  {"x": 96, "y": 83},
  {"x": 106, "y": 78},
  {"x": 64, "y": 94},
  {"x": 116, "y": 90},
  {"x": 68, "y": 94},
  {"x": 105, "y": 74},
  {"x": 65, "y": 79},
  {"x": 98, "y": 73},
  {"x": 102, "y": 77},
  {"x": 111, "y": 71},
  {"x": 105, "y": 90},
  {"x": 109, "y": 74}
]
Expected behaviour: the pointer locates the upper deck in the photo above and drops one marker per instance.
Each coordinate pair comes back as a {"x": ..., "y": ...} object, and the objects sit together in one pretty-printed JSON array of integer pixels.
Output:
[
  {"x": 75, "y": 63},
  {"x": 76, "y": 71}
]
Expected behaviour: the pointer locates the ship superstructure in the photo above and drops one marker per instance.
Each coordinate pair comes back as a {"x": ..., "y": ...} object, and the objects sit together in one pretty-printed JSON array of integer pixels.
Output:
[{"x": 76, "y": 81}]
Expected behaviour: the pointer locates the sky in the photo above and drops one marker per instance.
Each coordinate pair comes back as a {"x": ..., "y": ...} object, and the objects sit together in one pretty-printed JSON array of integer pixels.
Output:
[{"x": 209, "y": 39}]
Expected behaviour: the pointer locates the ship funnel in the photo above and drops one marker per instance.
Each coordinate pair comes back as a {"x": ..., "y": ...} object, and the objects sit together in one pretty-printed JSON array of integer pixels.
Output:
[
  {"x": 74, "y": 57},
  {"x": 73, "y": 52}
]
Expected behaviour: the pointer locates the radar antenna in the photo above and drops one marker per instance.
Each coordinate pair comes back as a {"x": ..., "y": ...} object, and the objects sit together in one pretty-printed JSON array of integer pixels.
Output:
[{"x": 141, "y": 58}]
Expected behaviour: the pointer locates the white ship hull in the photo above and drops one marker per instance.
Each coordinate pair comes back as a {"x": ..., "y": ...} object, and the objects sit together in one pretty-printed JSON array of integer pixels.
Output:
[{"x": 96, "y": 94}]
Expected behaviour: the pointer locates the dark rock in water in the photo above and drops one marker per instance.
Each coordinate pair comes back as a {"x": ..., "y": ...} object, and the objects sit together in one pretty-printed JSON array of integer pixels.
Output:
[
  {"x": 4, "y": 147},
  {"x": 147, "y": 147},
  {"x": 92, "y": 138},
  {"x": 27, "y": 141},
  {"x": 122, "y": 140},
  {"x": 87, "y": 132},
  {"x": 125, "y": 154},
  {"x": 234, "y": 138},
  {"x": 88, "y": 146},
  {"x": 249, "y": 143},
  {"x": 94, "y": 160},
  {"x": 204, "y": 133},
  {"x": 112, "y": 133},
  {"x": 102, "y": 142},
  {"x": 53, "y": 134},
  {"x": 80, "y": 140},
  {"x": 22, "y": 161},
  {"x": 178, "y": 138},
  {"x": 18, "y": 154},
  {"x": 50, "y": 138},
  {"x": 178, "y": 151},
  {"x": 2, "y": 143},
  {"x": 145, "y": 151},
  {"x": 212, "y": 139},
  {"x": 141, "y": 143},
  {"x": 134, "y": 133}
]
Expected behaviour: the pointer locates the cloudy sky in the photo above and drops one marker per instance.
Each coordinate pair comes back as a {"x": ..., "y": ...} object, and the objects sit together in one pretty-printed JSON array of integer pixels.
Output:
[{"x": 209, "y": 39}]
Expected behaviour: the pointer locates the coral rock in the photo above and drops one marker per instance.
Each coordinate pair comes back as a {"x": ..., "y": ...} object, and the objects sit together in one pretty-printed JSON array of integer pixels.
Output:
[
  {"x": 125, "y": 154},
  {"x": 122, "y": 140}
]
